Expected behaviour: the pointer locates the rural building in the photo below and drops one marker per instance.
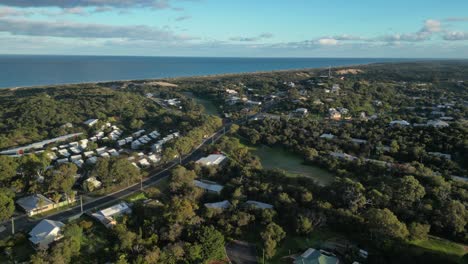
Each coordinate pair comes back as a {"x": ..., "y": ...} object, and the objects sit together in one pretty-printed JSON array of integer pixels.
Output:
[
  {"x": 259, "y": 205},
  {"x": 219, "y": 205},
  {"x": 209, "y": 186},
  {"x": 213, "y": 159},
  {"x": 437, "y": 123},
  {"x": 315, "y": 256},
  {"x": 399, "y": 122},
  {"x": 106, "y": 216},
  {"x": 46, "y": 232},
  {"x": 91, "y": 122},
  {"x": 35, "y": 204}
]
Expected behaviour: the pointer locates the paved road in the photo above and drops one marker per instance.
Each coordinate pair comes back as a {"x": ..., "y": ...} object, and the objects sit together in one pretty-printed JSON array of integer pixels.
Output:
[{"x": 23, "y": 223}]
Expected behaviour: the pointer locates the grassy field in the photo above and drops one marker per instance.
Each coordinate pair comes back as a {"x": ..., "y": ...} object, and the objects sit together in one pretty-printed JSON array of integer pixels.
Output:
[
  {"x": 210, "y": 107},
  {"x": 441, "y": 246},
  {"x": 290, "y": 163}
]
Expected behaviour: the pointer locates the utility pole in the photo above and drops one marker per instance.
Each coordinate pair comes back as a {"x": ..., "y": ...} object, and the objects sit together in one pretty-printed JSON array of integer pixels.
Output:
[
  {"x": 263, "y": 250},
  {"x": 329, "y": 72},
  {"x": 12, "y": 225},
  {"x": 141, "y": 182},
  {"x": 81, "y": 203}
]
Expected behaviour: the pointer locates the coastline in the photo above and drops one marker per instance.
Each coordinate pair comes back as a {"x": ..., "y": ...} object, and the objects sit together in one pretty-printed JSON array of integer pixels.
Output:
[{"x": 193, "y": 76}]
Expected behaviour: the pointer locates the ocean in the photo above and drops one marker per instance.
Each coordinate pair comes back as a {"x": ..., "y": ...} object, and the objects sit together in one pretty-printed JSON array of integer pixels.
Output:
[{"x": 35, "y": 70}]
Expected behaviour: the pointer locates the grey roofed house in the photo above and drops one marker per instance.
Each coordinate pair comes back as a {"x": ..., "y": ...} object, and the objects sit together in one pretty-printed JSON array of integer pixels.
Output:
[
  {"x": 219, "y": 205},
  {"x": 259, "y": 205},
  {"x": 31, "y": 204},
  {"x": 209, "y": 186},
  {"x": 437, "y": 123},
  {"x": 46, "y": 232}
]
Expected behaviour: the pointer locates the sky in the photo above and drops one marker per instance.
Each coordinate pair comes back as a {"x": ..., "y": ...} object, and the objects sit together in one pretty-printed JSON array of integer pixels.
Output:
[{"x": 241, "y": 28}]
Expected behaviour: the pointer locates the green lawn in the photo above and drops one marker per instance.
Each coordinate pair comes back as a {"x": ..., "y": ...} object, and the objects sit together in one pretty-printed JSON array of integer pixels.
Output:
[
  {"x": 441, "y": 246},
  {"x": 136, "y": 197},
  {"x": 290, "y": 163}
]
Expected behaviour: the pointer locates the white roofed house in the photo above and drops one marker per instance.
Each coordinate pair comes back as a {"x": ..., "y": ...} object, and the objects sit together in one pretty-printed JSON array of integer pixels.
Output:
[
  {"x": 91, "y": 122},
  {"x": 46, "y": 232},
  {"x": 213, "y": 159},
  {"x": 35, "y": 204},
  {"x": 106, "y": 216},
  {"x": 91, "y": 184},
  {"x": 209, "y": 186}
]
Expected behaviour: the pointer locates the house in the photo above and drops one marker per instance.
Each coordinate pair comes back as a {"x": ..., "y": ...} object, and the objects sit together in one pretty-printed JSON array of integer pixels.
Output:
[
  {"x": 91, "y": 122},
  {"x": 96, "y": 184},
  {"x": 440, "y": 155},
  {"x": 213, "y": 159},
  {"x": 144, "y": 163},
  {"x": 231, "y": 91},
  {"x": 113, "y": 152},
  {"x": 358, "y": 141},
  {"x": 75, "y": 157},
  {"x": 91, "y": 160},
  {"x": 106, "y": 216},
  {"x": 62, "y": 161},
  {"x": 259, "y": 205},
  {"x": 99, "y": 151},
  {"x": 219, "y": 205},
  {"x": 155, "y": 134},
  {"x": 154, "y": 158},
  {"x": 335, "y": 88},
  {"x": 327, "y": 136},
  {"x": 315, "y": 256},
  {"x": 301, "y": 112},
  {"x": 334, "y": 114},
  {"x": 136, "y": 144},
  {"x": 437, "y": 123},
  {"x": 157, "y": 147},
  {"x": 46, "y": 232},
  {"x": 64, "y": 152},
  {"x": 75, "y": 150},
  {"x": 399, "y": 122},
  {"x": 35, "y": 204},
  {"x": 138, "y": 133},
  {"x": 342, "y": 156},
  {"x": 88, "y": 154},
  {"x": 209, "y": 186},
  {"x": 79, "y": 163}
]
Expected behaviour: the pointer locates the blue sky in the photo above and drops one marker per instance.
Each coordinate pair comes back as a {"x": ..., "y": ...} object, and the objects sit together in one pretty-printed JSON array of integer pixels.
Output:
[{"x": 259, "y": 28}]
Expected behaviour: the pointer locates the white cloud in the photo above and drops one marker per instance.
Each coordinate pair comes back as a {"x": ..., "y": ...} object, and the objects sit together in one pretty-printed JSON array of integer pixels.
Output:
[
  {"x": 66, "y": 29},
  {"x": 455, "y": 35},
  {"x": 328, "y": 41},
  {"x": 431, "y": 25}
]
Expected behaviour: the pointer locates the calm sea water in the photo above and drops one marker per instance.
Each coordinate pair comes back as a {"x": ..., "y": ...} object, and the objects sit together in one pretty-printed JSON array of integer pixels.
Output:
[{"x": 30, "y": 70}]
